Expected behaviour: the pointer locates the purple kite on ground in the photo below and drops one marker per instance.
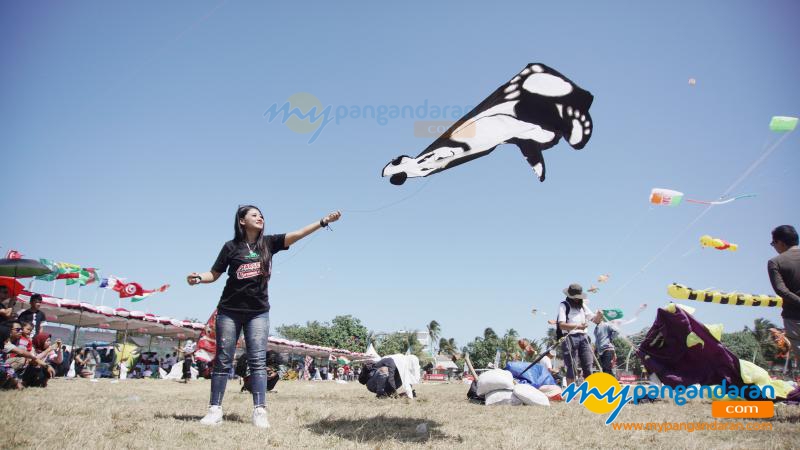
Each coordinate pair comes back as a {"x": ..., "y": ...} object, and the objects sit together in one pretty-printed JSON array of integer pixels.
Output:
[{"x": 666, "y": 353}]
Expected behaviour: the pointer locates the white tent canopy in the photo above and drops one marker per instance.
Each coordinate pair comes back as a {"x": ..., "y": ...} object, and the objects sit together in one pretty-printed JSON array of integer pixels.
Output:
[{"x": 82, "y": 315}]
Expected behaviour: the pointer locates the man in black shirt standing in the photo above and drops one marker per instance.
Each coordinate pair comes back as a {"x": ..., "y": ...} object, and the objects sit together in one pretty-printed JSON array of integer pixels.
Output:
[
  {"x": 33, "y": 315},
  {"x": 784, "y": 274}
]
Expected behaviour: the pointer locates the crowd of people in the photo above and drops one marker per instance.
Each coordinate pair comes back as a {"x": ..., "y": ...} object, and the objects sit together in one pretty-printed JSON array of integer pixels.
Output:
[{"x": 29, "y": 357}]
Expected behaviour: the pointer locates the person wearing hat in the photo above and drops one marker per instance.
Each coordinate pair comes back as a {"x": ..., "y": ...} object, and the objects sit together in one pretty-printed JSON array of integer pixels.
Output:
[
  {"x": 547, "y": 362},
  {"x": 573, "y": 319},
  {"x": 604, "y": 334}
]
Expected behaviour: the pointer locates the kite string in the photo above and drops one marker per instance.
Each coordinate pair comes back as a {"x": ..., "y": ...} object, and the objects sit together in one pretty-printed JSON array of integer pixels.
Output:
[
  {"x": 616, "y": 248},
  {"x": 401, "y": 200},
  {"x": 748, "y": 171},
  {"x": 300, "y": 250}
]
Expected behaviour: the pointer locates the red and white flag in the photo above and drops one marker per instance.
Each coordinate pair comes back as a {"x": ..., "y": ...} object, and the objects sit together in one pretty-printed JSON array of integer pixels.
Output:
[{"x": 128, "y": 289}]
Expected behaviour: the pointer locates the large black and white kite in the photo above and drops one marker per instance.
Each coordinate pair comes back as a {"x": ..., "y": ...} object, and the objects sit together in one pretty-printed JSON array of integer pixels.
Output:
[{"x": 532, "y": 111}]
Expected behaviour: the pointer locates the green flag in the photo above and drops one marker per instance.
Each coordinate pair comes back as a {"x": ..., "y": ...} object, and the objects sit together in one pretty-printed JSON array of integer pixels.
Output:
[
  {"x": 85, "y": 276},
  {"x": 50, "y": 265}
]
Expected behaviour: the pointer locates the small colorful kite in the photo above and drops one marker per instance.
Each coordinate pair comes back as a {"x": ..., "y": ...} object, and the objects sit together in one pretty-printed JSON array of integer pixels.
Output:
[
  {"x": 603, "y": 278},
  {"x": 641, "y": 308},
  {"x": 593, "y": 289},
  {"x": 612, "y": 314},
  {"x": 719, "y": 244},
  {"x": 682, "y": 292},
  {"x": 783, "y": 124},
  {"x": 668, "y": 197},
  {"x": 781, "y": 341}
]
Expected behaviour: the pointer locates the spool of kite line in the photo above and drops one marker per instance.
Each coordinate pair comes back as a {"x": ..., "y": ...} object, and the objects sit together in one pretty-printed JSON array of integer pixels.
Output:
[{"x": 681, "y": 292}]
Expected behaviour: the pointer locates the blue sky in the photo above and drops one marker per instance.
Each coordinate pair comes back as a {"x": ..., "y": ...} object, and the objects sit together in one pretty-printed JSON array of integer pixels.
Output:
[{"x": 131, "y": 131}]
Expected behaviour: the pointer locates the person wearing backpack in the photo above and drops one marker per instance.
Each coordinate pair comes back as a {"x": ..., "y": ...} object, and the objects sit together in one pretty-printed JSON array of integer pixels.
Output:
[{"x": 573, "y": 319}]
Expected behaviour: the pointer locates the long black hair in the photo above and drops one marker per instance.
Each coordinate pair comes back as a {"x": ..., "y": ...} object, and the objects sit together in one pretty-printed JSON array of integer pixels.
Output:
[
  {"x": 5, "y": 332},
  {"x": 240, "y": 236}
]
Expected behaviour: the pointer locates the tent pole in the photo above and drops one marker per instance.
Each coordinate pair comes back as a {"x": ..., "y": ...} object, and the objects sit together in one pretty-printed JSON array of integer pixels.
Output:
[
  {"x": 125, "y": 337},
  {"x": 150, "y": 344},
  {"x": 75, "y": 336}
]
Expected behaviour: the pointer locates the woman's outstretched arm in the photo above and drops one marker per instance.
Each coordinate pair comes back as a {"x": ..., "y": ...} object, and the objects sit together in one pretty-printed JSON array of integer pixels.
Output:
[{"x": 295, "y": 236}]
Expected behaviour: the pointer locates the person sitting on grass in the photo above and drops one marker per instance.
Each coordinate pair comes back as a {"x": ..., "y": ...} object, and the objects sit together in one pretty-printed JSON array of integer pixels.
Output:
[
  {"x": 7, "y": 378},
  {"x": 25, "y": 341},
  {"x": 35, "y": 375},
  {"x": 84, "y": 365},
  {"x": 16, "y": 357}
]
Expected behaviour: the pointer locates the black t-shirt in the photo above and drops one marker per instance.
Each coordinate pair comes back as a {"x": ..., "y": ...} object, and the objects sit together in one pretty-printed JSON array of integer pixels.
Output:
[{"x": 246, "y": 290}]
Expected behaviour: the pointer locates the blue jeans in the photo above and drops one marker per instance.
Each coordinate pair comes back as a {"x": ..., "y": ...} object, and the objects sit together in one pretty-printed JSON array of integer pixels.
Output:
[
  {"x": 256, "y": 332},
  {"x": 577, "y": 351}
]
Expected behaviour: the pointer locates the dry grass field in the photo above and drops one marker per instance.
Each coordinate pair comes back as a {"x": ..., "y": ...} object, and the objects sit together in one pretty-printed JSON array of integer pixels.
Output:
[{"x": 164, "y": 414}]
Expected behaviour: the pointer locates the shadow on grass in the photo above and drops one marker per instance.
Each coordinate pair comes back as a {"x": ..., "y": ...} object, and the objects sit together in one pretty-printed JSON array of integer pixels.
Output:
[
  {"x": 381, "y": 428},
  {"x": 196, "y": 418},
  {"x": 795, "y": 418}
]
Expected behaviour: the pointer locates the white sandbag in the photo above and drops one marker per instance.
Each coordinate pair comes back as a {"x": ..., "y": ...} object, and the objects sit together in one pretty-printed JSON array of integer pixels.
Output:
[
  {"x": 529, "y": 395},
  {"x": 502, "y": 397},
  {"x": 494, "y": 380},
  {"x": 176, "y": 373},
  {"x": 550, "y": 390}
]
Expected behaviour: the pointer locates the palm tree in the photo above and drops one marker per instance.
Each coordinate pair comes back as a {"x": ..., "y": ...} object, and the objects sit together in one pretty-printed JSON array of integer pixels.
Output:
[
  {"x": 449, "y": 347},
  {"x": 766, "y": 346},
  {"x": 489, "y": 334},
  {"x": 434, "y": 331},
  {"x": 509, "y": 344},
  {"x": 443, "y": 348}
]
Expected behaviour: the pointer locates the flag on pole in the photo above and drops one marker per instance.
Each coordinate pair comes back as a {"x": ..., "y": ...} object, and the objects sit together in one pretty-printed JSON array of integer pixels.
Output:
[
  {"x": 109, "y": 283},
  {"x": 306, "y": 373},
  {"x": 13, "y": 254},
  {"x": 53, "y": 270},
  {"x": 67, "y": 271},
  {"x": 85, "y": 276},
  {"x": 128, "y": 289},
  {"x": 136, "y": 290},
  {"x": 146, "y": 293}
]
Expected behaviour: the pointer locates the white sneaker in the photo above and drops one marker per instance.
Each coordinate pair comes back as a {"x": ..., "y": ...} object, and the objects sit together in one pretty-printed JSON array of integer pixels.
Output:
[
  {"x": 214, "y": 416},
  {"x": 260, "y": 417}
]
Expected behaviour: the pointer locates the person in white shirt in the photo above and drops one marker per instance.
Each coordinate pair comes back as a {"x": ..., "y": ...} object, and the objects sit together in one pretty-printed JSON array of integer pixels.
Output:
[
  {"x": 573, "y": 319},
  {"x": 547, "y": 361}
]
